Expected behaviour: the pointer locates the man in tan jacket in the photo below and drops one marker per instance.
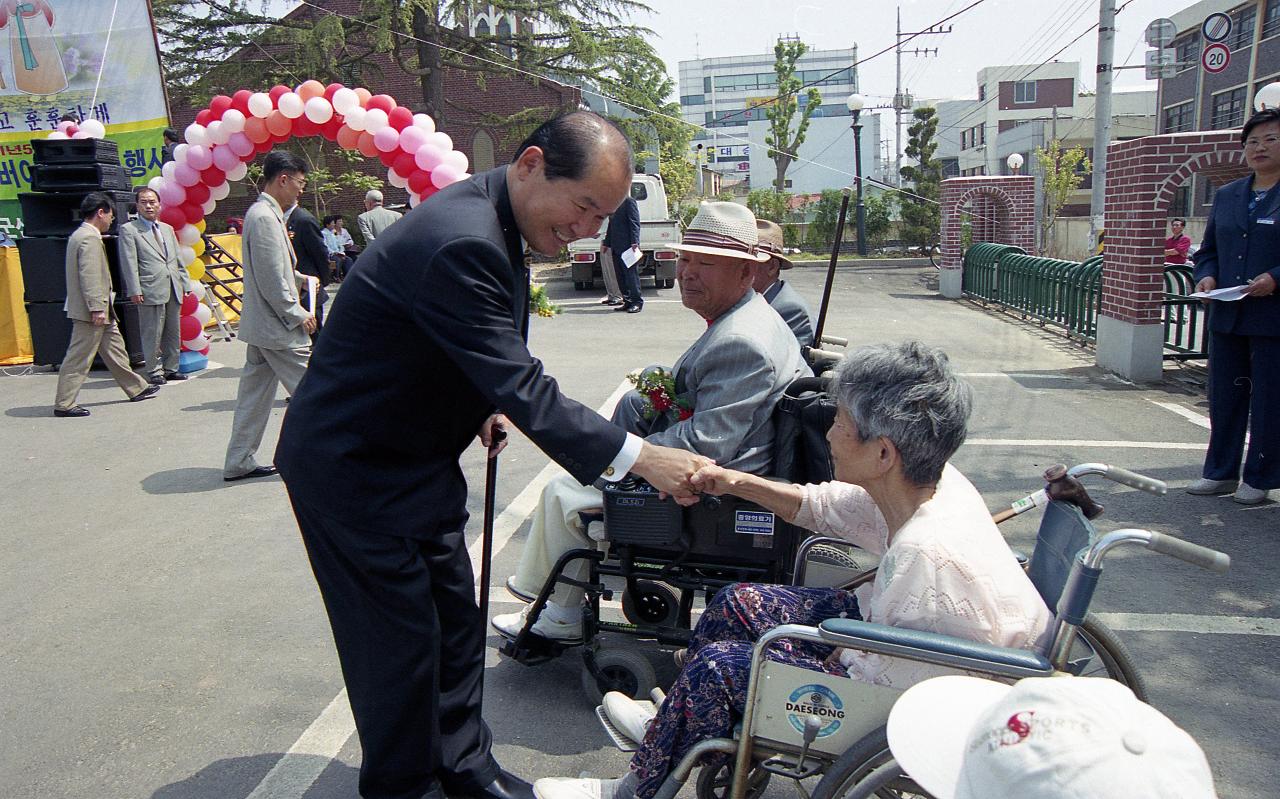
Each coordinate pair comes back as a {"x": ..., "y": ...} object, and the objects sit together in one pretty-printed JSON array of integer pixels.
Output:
[{"x": 93, "y": 324}]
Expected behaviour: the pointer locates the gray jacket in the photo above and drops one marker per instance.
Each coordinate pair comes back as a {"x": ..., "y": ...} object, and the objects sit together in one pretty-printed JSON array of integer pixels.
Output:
[
  {"x": 792, "y": 309},
  {"x": 151, "y": 267},
  {"x": 374, "y": 221},
  {"x": 88, "y": 278},
  {"x": 271, "y": 317}
]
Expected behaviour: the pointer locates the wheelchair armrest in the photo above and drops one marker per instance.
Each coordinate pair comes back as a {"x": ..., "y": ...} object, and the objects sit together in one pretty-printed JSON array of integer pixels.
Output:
[{"x": 943, "y": 650}]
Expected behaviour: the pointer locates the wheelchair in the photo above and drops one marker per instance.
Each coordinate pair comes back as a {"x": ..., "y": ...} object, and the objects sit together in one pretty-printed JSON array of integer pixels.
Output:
[{"x": 802, "y": 724}]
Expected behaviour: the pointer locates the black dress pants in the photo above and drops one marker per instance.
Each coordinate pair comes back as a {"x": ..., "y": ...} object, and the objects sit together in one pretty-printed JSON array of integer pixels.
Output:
[
  {"x": 628, "y": 281},
  {"x": 410, "y": 639}
]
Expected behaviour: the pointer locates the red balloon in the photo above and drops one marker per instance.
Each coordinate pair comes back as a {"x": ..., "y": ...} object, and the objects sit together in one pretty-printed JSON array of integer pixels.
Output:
[
  {"x": 305, "y": 127},
  {"x": 173, "y": 217},
  {"x": 400, "y": 118},
  {"x": 419, "y": 181},
  {"x": 404, "y": 164},
  {"x": 278, "y": 90},
  {"x": 240, "y": 101},
  {"x": 330, "y": 129},
  {"x": 264, "y": 146},
  {"x": 384, "y": 101},
  {"x": 428, "y": 191},
  {"x": 190, "y": 327},
  {"x": 189, "y": 304},
  {"x": 366, "y": 146},
  {"x": 204, "y": 351},
  {"x": 331, "y": 89},
  {"x": 198, "y": 194},
  {"x": 219, "y": 104},
  {"x": 387, "y": 159},
  {"x": 213, "y": 177},
  {"x": 192, "y": 212},
  {"x": 204, "y": 117}
]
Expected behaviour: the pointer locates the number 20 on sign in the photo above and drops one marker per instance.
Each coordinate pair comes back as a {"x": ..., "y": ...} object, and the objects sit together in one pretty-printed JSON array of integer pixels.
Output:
[{"x": 1215, "y": 58}]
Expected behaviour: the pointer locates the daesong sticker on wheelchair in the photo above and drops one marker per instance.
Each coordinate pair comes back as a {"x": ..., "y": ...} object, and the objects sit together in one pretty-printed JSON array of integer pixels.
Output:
[{"x": 815, "y": 700}]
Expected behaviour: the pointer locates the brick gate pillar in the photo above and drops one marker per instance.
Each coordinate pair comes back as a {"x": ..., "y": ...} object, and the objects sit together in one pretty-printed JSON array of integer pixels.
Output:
[{"x": 1003, "y": 211}]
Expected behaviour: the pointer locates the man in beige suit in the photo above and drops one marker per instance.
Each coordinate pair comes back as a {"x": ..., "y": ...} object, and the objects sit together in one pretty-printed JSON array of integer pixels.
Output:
[
  {"x": 375, "y": 218},
  {"x": 156, "y": 282},
  {"x": 93, "y": 324},
  {"x": 273, "y": 322}
]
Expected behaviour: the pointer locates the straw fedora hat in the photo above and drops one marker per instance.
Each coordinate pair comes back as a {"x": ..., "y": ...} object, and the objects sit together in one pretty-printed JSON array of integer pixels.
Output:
[
  {"x": 771, "y": 241},
  {"x": 725, "y": 229}
]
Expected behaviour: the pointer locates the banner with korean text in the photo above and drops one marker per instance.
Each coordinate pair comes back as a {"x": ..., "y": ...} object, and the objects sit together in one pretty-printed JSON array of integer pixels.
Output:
[{"x": 96, "y": 59}]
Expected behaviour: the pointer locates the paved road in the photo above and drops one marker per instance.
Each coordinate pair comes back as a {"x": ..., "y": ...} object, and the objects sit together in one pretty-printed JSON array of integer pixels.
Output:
[{"x": 163, "y": 636}]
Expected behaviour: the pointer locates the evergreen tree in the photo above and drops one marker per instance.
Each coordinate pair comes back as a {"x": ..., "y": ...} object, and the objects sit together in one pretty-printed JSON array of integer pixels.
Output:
[{"x": 922, "y": 215}]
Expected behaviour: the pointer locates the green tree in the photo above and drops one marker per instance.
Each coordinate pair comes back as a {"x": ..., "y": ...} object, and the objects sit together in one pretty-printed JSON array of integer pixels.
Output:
[
  {"x": 879, "y": 216},
  {"x": 215, "y": 46},
  {"x": 826, "y": 215},
  {"x": 769, "y": 204},
  {"x": 1062, "y": 171},
  {"x": 783, "y": 144},
  {"x": 647, "y": 89},
  {"x": 922, "y": 215}
]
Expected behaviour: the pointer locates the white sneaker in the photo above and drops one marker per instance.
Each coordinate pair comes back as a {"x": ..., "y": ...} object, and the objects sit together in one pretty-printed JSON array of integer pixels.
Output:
[
  {"x": 510, "y": 625},
  {"x": 1248, "y": 495},
  {"x": 628, "y": 715},
  {"x": 570, "y": 788},
  {"x": 1204, "y": 487}
]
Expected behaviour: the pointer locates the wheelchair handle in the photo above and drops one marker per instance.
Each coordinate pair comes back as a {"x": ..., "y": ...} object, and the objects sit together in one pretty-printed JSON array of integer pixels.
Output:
[
  {"x": 839, "y": 341},
  {"x": 1123, "y": 476},
  {"x": 817, "y": 355},
  {"x": 1196, "y": 555}
]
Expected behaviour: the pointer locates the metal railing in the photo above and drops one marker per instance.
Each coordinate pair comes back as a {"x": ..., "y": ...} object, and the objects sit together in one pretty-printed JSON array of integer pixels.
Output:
[{"x": 1068, "y": 294}]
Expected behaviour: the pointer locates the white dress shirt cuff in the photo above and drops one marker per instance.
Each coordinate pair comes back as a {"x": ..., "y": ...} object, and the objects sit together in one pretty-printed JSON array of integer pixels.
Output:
[{"x": 624, "y": 460}]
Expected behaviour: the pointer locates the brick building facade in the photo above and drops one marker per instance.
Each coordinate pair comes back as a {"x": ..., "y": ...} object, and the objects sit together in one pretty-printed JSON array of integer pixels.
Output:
[{"x": 999, "y": 208}]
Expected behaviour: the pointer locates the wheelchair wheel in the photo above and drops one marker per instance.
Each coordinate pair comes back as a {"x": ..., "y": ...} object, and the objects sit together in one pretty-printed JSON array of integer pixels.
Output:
[
  {"x": 867, "y": 769},
  {"x": 621, "y": 670},
  {"x": 653, "y": 603},
  {"x": 833, "y": 556},
  {"x": 715, "y": 781},
  {"x": 1099, "y": 652}
]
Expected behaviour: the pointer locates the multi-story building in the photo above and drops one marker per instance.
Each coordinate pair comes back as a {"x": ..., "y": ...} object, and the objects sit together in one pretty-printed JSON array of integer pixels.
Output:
[
  {"x": 728, "y": 99},
  {"x": 1009, "y": 96}
]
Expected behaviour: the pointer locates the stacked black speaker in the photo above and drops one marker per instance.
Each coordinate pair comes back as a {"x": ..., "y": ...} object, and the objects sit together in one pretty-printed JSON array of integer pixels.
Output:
[{"x": 65, "y": 171}]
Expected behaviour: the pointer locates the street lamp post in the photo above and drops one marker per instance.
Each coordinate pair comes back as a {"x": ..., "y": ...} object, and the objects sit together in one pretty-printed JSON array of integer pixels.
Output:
[
  {"x": 1015, "y": 162},
  {"x": 854, "y": 103}
]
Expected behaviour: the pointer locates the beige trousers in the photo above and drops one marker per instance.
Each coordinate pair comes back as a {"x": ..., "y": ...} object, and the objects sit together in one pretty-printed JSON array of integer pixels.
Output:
[
  {"x": 264, "y": 369},
  {"x": 610, "y": 274},
  {"x": 87, "y": 340},
  {"x": 557, "y": 529}
]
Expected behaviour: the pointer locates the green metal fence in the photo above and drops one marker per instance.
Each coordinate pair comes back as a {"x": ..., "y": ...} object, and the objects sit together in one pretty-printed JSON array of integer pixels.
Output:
[{"x": 1067, "y": 294}]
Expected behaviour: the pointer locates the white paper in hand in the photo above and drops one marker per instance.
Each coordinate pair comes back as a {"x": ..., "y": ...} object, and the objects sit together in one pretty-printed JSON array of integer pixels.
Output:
[
  {"x": 311, "y": 293},
  {"x": 1229, "y": 294},
  {"x": 630, "y": 257}
]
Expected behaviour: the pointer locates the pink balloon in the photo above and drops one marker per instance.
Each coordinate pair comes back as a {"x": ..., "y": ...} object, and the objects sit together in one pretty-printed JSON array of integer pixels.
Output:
[
  {"x": 445, "y": 174},
  {"x": 412, "y": 139},
  {"x": 241, "y": 145},
  {"x": 441, "y": 140},
  {"x": 199, "y": 157},
  {"x": 172, "y": 194},
  {"x": 224, "y": 158},
  {"x": 185, "y": 175},
  {"x": 428, "y": 157},
  {"x": 386, "y": 139}
]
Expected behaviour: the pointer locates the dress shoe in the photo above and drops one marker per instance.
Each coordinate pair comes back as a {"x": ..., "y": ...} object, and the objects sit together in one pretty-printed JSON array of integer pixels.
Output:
[
  {"x": 610, "y": 301},
  {"x": 172, "y": 376},
  {"x": 634, "y": 308},
  {"x": 628, "y": 715},
  {"x": 1248, "y": 495},
  {"x": 261, "y": 471},
  {"x": 156, "y": 380},
  {"x": 505, "y": 786},
  {"x": 74, "y": 412},
  {"x": 146, "y": 393},
  {"x": 517, "y": 592},
  {"x": 510, "y": 625},
  {"x": 1204, "y": 487}
]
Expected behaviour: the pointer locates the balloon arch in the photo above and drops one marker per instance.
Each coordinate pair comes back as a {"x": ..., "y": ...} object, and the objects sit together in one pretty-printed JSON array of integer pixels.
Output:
[{"x": 233, "y": 130}]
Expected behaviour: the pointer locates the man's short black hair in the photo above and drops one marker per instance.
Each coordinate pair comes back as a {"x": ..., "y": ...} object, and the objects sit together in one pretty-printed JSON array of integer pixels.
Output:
[
  {"x": 1260, "y": 118},
  {"x": 137, "y": 193},
  {"x": 1178, "y": 219},
  {"x": 569, "y": 141},
  {"x": 282, "y": 161},
  {"x": 94, "y": 202},
  {"x": 171, "y": 135}
]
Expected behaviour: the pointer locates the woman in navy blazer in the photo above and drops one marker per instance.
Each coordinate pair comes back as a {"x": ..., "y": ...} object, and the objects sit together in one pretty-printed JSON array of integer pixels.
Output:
[{"x": 1242, "y": 248}]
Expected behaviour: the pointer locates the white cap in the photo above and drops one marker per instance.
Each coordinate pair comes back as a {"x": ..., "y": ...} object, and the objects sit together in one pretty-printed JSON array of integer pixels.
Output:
[{"x": 1043, "y": 738}]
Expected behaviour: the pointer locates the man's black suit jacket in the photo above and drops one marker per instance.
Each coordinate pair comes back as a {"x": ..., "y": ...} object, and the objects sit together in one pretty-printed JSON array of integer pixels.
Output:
[
  {"x": 624, "y": 227},
  {"x": 427, "y": 340},
  {"x": 308, "y": 243}
]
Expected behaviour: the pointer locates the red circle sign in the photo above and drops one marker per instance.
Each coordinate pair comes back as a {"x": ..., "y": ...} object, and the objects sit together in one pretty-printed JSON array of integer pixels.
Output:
[{"x": 1215, "y": 58}]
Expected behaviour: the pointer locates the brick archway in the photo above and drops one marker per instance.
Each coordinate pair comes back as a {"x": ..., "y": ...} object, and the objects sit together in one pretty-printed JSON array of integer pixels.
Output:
[
  {"x": 1143, "y": 176},
  {"x": 1002, "y": 210}
]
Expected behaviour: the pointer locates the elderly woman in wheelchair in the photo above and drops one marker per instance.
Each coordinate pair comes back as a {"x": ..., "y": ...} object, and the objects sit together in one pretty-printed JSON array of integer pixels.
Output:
[{"x": 902, "y": 413}]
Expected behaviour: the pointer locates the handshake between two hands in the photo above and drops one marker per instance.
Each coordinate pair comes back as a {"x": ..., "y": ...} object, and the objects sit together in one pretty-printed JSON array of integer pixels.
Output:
[{"x": 680, "y": 474}]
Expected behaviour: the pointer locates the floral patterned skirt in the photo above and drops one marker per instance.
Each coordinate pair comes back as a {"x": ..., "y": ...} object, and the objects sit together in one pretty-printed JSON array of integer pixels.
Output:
[{"x": 710, "y": 694}]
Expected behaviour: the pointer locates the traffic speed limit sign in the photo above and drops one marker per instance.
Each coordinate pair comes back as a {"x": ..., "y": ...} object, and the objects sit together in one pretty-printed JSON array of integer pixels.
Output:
[{"x": 1215, "y": 58}]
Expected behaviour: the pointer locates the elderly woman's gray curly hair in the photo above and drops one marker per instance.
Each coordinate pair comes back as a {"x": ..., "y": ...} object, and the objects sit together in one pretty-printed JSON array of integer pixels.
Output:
[{"x": 909, "y": 394}]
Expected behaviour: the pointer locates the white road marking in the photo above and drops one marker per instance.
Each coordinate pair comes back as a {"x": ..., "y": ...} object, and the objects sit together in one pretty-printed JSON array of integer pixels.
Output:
[
  {"x": 1188, "y": 623},
  {"x": 1081, "y": 442},
  {"x": 1185, "y": 413},
  {"x": 1019, "y": 375},
  {"x": 293, "y": 774}
]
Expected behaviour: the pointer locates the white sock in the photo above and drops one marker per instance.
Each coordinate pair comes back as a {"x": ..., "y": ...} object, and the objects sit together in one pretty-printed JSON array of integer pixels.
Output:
[{"x": 560, "y": 614}]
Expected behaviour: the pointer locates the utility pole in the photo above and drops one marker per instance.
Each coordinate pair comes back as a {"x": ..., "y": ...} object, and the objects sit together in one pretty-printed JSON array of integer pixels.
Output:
[
  {"x": 902, "y": 100},
  {"x": 1102, "y": 117}
]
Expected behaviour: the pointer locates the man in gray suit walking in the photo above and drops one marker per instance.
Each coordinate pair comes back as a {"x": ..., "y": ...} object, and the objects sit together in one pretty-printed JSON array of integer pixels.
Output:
[
  {"x": 730, "y": 378},
  {"x": 93, "y": 322},
  {"x": 156, "y": 282},
  {"x": 375, "y": 218},
  {"x": 776, "y": 291},
  {"x": 273, "y": 322}
]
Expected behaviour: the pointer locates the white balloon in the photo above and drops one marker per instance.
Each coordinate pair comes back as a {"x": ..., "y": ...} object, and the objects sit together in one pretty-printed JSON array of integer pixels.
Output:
[
  {"x": 166, "y": 169},
  {"x": 210, "y": 203},
  {"x": 375, "y": 119},
  {"x": 260, "y": 105},
  {"x": 198, "y": 343},
  {"x": 393, "y": 177},
  {"x": 186, "y": 255},
  {"x": 236, "y": 172},
  {"x": 94, "y": 128},
  {"x": 414, "y": 199},
  {"x": 318, "y": 110},
  {"x": 218, "y": 133},
  {"x": 458, "y": 159},
  {"x": 290, "y": 105},
  {"x": 442, "y": 140},
  {"x": 188, "y": 235},
  {"x": 202, "y": 314},
  {"x": 356, "y": 118},
  {"x": 81, "y": 134},
  {"x": 344, "y": 100},
  {"x": 156, "y": 183},
  {"x": 233, "y": 120},
  {"x": 195, "y": 134},
  {"x": 425, "y": 122},
  {"x": 180, "y": 152},
  {"x": 57, "y": 134},
  {"x": 219, "y": 192}
]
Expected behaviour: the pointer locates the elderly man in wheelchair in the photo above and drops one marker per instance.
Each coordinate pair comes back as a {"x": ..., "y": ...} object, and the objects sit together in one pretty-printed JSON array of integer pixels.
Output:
[
  {"x": 901, "y": 414},
  {"x": 730, "y": 380}
]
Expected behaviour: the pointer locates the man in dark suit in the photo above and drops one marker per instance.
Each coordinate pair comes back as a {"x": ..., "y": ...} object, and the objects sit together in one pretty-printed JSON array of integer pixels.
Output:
[
  {"x": 426, "y": 344},
  {"x": 777, "y": 292},
  {"x": 624, "y": 235},
  {"x": 313, "y": 258}
]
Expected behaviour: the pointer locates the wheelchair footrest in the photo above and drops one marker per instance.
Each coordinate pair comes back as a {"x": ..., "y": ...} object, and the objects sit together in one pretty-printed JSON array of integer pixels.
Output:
[
  {"x": 787, "y": 767},
  {"x": 533, "y": 649},
  {"x": 616, "y": 735}
]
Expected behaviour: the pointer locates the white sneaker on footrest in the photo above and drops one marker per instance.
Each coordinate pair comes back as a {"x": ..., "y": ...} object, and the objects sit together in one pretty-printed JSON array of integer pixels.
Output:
[
  {"x": 629, "y": 716},
  {"x": 510, "y": 625}
]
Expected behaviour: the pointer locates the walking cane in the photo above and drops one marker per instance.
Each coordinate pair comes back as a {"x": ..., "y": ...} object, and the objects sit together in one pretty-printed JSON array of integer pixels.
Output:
[{"x": 486, "y": 535}]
